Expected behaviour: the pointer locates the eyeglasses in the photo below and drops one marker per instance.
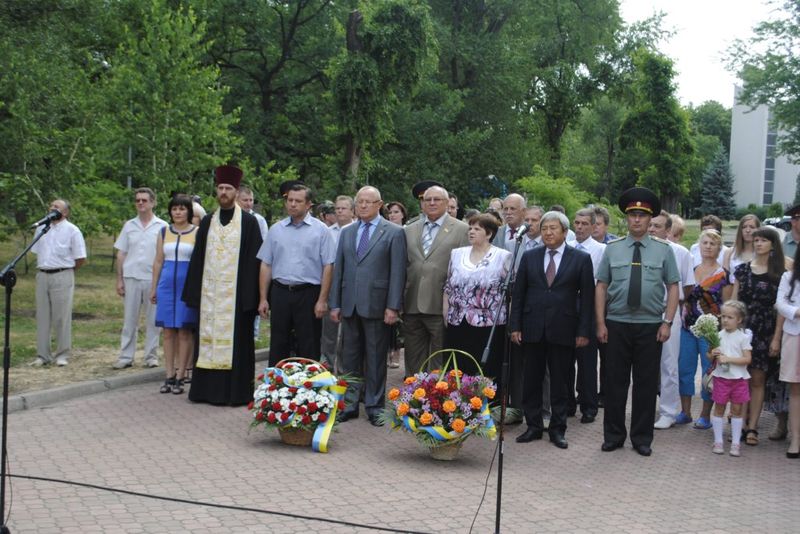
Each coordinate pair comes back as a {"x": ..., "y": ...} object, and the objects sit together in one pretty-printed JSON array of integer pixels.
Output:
[
  {"x": 435, "y": 200},
  {"x": 366, "y": 202},
  {"x": 142, "y": 200}
]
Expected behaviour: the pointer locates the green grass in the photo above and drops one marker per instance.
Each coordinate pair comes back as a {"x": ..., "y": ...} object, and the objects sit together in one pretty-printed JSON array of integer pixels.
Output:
[{"x": 97, "y": 310}]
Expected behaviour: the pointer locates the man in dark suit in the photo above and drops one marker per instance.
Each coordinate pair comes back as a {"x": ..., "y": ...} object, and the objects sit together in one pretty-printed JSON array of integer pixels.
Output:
[
  {"x": 366, "y": 295},
  {"x": 551, "y": 316}
]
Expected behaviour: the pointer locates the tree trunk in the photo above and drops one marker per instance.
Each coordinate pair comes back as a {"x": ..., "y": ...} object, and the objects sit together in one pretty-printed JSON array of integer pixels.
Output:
[{"x": 353, "y": 149}]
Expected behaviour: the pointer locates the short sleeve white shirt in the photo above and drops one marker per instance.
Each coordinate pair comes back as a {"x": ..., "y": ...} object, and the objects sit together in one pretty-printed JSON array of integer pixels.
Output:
[
  {"x": 138, "y": 242},
  {"x": 59, "y": 247}
]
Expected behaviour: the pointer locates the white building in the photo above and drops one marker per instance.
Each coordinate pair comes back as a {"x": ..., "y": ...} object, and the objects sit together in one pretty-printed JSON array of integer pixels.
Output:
[{"x": 759, "y": 177}]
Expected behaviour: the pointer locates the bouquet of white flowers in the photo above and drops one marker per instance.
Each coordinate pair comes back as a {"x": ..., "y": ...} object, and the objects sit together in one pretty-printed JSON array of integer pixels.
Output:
[{"x": 707, "y": 327}]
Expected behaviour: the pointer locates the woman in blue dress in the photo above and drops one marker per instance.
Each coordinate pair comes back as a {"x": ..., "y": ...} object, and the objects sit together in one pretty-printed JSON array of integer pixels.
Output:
[{"x": 173, "y": 251}]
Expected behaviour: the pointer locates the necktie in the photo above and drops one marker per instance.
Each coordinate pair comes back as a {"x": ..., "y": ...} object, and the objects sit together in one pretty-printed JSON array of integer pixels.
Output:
[
  {"x": 363, "y": 242},
  {"x": 550, "y": 274},
  {"x": 427, "y": 237},
  {"x": 635, "y": 286}
]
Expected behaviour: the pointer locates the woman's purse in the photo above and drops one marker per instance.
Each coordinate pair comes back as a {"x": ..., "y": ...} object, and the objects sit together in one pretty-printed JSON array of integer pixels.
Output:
[{"x": 708, "y": 378}]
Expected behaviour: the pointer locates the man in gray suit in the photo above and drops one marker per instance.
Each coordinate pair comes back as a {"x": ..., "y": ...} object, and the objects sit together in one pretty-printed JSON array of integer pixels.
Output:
[
  {"x": 366, "y": 295},
  {"x": 429, "y": 241}
]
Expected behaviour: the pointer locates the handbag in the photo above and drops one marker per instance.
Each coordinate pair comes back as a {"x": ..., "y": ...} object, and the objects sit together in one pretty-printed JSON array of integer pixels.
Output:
[{"x": 708, "y": 378}]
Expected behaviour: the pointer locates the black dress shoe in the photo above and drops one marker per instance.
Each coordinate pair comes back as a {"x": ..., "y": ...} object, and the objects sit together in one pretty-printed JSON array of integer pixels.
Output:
[
  {"x": 559, "y": 441},
  {"x": 586, "y": 418},
  {"x": 375, "y": 421},
  {"x": 529, "y": 435},
  {"x": 609, "y": 446},
  {"x": 792, "y": 455},
  {"x": 346, "y": 416},
  {"x": 644, "y": 450}
]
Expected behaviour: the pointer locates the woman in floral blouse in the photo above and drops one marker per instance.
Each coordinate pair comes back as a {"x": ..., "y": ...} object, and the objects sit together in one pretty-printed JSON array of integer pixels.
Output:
[{"x": 472, "y": 296}]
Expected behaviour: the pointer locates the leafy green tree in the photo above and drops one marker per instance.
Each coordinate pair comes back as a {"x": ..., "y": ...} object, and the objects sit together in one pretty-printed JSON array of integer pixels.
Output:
[
  {"x": 544, "y": 190},
  {"x": 712, "y": 118},
  {"x": 717, "y": 196},
  {"x": 46, "y": 108},
  {"x": 275, "y": 57},
  {"x": 767, "y": 64},
  {"x": 658, "y": 128},
  {"x": 164, "y": 126},
  {"x": 385, "y": 57},
  {"x": 571, "y": 43}
]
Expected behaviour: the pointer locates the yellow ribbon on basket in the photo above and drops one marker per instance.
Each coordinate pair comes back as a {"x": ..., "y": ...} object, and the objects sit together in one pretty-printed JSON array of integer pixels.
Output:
[
  {"x": 440, "y": 434},
  {"x": 323, "y": 381}
]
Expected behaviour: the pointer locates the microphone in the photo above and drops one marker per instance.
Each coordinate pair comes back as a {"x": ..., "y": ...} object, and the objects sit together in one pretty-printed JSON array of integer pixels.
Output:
[
  {"x": 522, "y": 230},
  {"x": 54, "y": 215}
]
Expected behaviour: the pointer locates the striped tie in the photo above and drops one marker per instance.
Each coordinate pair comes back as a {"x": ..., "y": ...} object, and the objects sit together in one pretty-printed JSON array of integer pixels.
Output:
[
  {"x": 363, "y": 243},
  {"x": 427, "y": 237}
]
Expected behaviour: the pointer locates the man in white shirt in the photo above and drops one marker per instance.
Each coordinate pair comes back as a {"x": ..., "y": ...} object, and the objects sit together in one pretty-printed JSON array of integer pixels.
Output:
[
  {"x": 245, "y": 199},
  {"x": 586, "y": 357},
  {"x": 59, "y": 253},
  {"x": 669, "y": 403},
  {"x": 136, "y": 251},
  {"x": 344, "y": 208}
]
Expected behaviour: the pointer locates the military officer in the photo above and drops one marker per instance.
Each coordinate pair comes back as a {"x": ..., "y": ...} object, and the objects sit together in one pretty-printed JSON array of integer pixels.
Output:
[{"x": 633, "y": 275}]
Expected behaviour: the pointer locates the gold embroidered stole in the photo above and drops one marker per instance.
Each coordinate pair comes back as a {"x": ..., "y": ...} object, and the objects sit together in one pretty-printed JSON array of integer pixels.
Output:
[{"x": 218, "y": 296}]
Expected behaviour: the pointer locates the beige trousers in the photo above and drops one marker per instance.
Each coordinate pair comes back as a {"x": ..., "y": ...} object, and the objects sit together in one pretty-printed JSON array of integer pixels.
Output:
[
  {"x": 54, "y": 313},
  {"x": 137, "y": 301}
]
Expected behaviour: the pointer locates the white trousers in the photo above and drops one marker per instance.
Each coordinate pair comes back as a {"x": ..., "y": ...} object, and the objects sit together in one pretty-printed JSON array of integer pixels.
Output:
[
  {"x": 669, "y": 403},
  {"x": 54, "y": 293},
  {"x": 137, "y": 301}
]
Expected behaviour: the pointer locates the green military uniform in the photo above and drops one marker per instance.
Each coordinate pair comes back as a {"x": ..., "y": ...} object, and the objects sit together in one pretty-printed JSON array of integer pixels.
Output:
[
  {"x": 633, "y": 350},
  {"x": 658, "y": 268},
  {"x": 789, "y": 243}
]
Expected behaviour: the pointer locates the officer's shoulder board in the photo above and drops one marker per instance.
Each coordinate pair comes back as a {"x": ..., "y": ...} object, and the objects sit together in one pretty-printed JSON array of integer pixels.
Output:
[
  {"x": 616, "y": 240},
  {"x": 659, "y": 240}
]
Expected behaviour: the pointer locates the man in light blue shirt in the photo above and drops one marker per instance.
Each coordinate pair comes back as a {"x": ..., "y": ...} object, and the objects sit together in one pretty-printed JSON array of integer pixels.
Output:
[{"x": 297, "y": 265}]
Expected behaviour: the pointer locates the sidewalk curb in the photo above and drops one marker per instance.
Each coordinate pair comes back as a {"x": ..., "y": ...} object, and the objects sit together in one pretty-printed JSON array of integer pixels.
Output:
[{"x": 48, "y": 397}]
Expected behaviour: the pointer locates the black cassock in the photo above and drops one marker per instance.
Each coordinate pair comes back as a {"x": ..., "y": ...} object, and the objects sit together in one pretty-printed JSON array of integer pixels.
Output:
[{"x": 232, "y": 387}]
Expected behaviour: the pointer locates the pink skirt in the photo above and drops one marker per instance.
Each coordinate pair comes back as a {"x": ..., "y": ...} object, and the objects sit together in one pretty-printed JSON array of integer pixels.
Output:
[{"x": 790, "y": 359}]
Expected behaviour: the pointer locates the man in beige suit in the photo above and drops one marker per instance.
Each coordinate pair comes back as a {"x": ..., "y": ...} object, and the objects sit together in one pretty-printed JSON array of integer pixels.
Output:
[{"x": 429, "y": 241}]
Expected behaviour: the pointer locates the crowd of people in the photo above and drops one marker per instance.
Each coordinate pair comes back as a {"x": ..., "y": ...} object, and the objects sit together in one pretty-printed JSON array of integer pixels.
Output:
[{"x": 358, "y": 284}]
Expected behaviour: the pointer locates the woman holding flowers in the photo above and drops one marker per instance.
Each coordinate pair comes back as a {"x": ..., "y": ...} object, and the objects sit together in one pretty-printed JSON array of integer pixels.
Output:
[
  {"x": 472, "y": 296},
  {"x": 757, "y": 286},
  {"x": 712, "y": 289}
]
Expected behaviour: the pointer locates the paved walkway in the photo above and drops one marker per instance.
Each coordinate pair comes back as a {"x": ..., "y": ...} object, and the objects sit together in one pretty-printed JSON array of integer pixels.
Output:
[{"x": 138, "y": 440}]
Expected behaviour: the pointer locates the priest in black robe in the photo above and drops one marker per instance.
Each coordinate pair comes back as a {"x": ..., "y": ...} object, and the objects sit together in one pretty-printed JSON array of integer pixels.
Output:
[{"x": 226, "y": 292}]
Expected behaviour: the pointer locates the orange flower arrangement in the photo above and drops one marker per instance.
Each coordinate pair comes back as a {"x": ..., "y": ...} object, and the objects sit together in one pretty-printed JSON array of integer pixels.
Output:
[{"x": 442, "y": 407}]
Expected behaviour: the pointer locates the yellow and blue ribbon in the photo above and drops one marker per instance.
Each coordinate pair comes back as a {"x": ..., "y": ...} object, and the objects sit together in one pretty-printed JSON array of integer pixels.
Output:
[
  {"x": 322, "y": 381},
  {"x": 440, "y": 434}
]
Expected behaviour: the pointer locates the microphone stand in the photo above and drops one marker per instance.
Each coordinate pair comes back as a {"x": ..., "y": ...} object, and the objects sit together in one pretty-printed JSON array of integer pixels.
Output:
[
  {"x": 8, "y": 278},
  {"x": 505, "y": 292}
]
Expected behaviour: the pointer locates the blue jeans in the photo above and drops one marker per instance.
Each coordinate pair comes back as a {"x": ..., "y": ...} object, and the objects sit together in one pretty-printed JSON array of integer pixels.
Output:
[{"x": 691, "y": 346}]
